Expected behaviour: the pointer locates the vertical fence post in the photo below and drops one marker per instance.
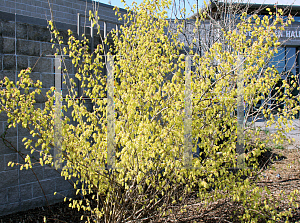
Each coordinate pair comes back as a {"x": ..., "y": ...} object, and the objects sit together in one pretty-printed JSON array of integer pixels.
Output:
[
  {"x": 57, "y": 114},
  {"x": 92, "y": 37},
  {"x": 117, "y": 30},
  {"x": 240, "y": 150},
  {"x": 78, "y": 25},
  {"x": 110, "y": 113},
  {"x": 187, "y": 153},
  {"x": 79, "y": 38},
  {"x": 105, "y": 36}
]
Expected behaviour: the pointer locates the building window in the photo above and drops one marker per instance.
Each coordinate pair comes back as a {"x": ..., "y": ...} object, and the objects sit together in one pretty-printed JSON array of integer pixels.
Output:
[{"x": 287, "y": 63}]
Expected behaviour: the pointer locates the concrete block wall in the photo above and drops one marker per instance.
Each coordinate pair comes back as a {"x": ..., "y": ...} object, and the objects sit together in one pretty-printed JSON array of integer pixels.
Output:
[
  {"x": 20, "y": 190},
  {"x": 25, "y": 42},
  {"x": 64, "y": 11}
]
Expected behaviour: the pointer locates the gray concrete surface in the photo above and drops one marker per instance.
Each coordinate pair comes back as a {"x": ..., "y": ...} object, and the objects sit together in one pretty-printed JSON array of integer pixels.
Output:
[{"x": 291, "y": 134}]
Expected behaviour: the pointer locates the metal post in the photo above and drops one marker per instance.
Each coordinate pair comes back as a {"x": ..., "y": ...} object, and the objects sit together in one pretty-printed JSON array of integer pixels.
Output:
[
  {"x": 92, "y": 37},
  {"x": 79, "y": 38},
  {"x": 105, "y": 36},
  {"x": 110, "y": 113},
  {"x": 105, "y": 30},
  {"x": 240, "y": 150},
  {"x": 57, "y": 114},
  {"x": 78, "y": 25},
  {"x": 187, "y": 153},
  {"x": 117, "y": 30}
]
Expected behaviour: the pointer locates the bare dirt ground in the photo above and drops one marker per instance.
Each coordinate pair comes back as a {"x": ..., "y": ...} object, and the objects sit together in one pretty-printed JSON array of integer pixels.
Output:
[{"x": 280, "y": 171}]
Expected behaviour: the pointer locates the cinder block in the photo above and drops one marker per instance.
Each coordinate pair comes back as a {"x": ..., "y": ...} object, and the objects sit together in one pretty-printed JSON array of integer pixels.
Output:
[
  {"x": 2, "y": 164},
  {"x": 97, "y": 40},
  {"x": 35, "y": 76},
  {"x": 89, "y": 106},
  {"x": 68, "y": 113},
  {"x": 22, "y": 62},
  {"x": 9, "y": 45},
  {"x": 9, "y": 62},
  {"x": 26, "y": 13},
  {"x": 41, "y": 201},
  {"x": 36, "y": 12},
  {"x": 67, "y": 64},
  {"x": 45, "y": 5},
  {"x": 76, "y": 4},
  {"x": 50, "y": 173},
  {"x": 6, "y": 209},
  {"x": 73, "y": 12},
  {"x": 56, "y": 8},
  {"x": 11, "y": 76},
  {"x": 8, "y": 178},
  {"x": 21, "y": 6},
  {"x": 39, "y": 106},
  {"x": 26, "y": 191},
  {"x": 27, "y": 176},
  {"x": 28, "y": 47},
  {"x": 66, "y": 193},
  {"x": 83, "y": 6},
  {"x": 41, "y": 98},
  {"x": 41, "y": 64},
  {"x": 11, "y": 157},
  {"x": 47, "y": 49},
  {"x": 22, "y": 156},
  {"x": 67, "y": 85},
  {"x": 21, "y": 31},
  {"x": 37, "y": 3},
  {"x": 32, "y": 203},
  {"x": 10, "y": 132},
  {"x": 19, "y": 11},
  {"x": 65, "y": 37},
  {"x": 65, "y": 92},
  {"x": 33, "y": 156},
  {"x": 47, "y": 185},
  {"x": 22, "y": 147},
  {"x": 1, "y": 44},
  {"x": 8, "y": 28},
  {"x": 47, "y": 80},
  {"x": 1, "y": 127},
  {"x": 55, "y": 198},
  {"x": 70, "y": 14},
  {"x": 1, "y": 21},
  {"x": 23, "y": 132},
  {"x": 38, "y": 33},
  {"x": 13, "y": 194},
  {"x": 11, "y": 10},
  {"x": 3, "y": 196},
  {"x": 10, "y": 4},
  {"x": 63, "y": 185},
  {"x": 1, "y": 123},
  {"x": 12, "y": 143},
  {"x": 62, "y": 2}
]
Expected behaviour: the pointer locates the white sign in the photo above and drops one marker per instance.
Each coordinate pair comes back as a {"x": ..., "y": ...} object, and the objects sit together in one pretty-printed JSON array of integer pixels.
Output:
[
  {"x": 272, "y": 2},
  {"x": 283, "y": 34}
]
